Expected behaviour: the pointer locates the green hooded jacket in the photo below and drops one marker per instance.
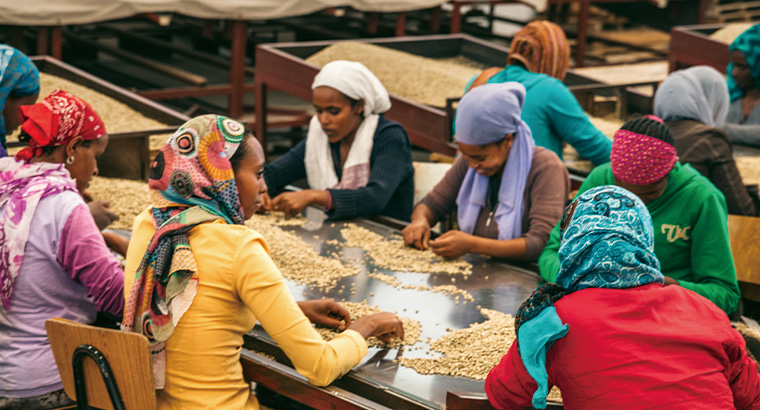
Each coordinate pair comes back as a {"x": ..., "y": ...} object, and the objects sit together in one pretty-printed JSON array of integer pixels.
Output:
[{"x": 690, "y": 235}]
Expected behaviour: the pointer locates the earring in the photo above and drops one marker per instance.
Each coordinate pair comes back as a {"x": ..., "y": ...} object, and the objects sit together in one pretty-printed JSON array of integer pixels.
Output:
[{"x": 70, "y": 160}]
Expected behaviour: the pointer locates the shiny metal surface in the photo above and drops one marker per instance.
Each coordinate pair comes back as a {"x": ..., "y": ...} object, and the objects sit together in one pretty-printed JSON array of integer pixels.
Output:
[{"x": 493, "y": 285}]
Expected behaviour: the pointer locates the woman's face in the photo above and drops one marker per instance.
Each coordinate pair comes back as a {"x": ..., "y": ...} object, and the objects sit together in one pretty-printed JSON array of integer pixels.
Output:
[
  {"x": 647, "y": 193},
  {"x": 85, "y": 164},
  {"x": 489, "y": 159},
  {"x": 249, "y": 177},
  {"x": 335, "y": 113},
  {"x": 741, "y": 72}
]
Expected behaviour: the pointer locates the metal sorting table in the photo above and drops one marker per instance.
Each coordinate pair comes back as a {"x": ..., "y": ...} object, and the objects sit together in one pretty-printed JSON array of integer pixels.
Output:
[
  {"x": 378, "y": 378},
  {"x": 127, "y": 155},
  {"x": 691, "y": 45},
  {"x": 282, "y": 66}
]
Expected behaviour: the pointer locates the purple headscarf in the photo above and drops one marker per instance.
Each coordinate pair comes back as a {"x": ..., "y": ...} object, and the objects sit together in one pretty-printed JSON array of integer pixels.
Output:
[{"x": 484, "y": 116}]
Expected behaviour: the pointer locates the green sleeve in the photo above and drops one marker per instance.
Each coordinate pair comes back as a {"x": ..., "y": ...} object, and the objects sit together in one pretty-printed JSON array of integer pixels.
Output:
[
  {"x": 548, "y": 262},
  {"x": 712, "y": 266}
]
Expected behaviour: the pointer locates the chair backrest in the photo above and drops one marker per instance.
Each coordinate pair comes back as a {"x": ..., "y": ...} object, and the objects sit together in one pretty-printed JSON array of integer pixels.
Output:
[
  {"x": 128, "y": 355},
  {"x": 744, "y": 234},
  {"x": 426, "y": 176}
]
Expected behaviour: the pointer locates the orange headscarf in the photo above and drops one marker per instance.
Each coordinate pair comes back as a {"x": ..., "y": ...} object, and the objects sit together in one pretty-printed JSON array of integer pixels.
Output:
[{"x": 541, "y": 47}]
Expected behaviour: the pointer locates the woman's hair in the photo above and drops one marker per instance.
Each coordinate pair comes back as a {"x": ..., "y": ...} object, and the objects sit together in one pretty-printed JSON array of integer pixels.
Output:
[
  {"x": 24, "y": 137},
  {"x": 242, "y": 150},
  {"x": 650, "y": 127}
]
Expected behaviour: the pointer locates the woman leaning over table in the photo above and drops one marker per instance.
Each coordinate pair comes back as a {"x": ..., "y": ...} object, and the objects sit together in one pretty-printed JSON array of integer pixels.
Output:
[
  {"x": 693, "y": 102},
  {"x": 611, "y": 335},
  {"x": 206, "y": 181},
  {"x": 53, "y": 259},
  {"x": 539, "y": 56},
  {"x": 689, "y": 213},
  {"x": 508, "y": 192},
  {"x": 356, "y": 161}
]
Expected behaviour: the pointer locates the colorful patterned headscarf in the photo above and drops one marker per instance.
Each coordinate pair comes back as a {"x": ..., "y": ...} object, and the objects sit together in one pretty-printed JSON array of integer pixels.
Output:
[
  {"x": 749, "y": 44},
  {"x": 541, "y": 47},
  {"x": 56, "y": 120},
  {"x": 22, "y": 186},
  {"x": 19, "y": 77},
  {"x": 640, "y": 159},
  {"x": 607, "y": 242},
  {"x": 192, "y": 182}
]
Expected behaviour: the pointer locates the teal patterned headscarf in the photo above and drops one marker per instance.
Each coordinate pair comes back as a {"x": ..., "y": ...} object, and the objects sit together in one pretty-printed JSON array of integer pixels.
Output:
[
  {"x": 748, "y": 43},
  {"x": 607, "y": 242}
]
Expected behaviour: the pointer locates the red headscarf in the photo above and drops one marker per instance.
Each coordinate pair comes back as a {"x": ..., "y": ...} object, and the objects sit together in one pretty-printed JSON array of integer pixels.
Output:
[{"x": 56, "y": 120}]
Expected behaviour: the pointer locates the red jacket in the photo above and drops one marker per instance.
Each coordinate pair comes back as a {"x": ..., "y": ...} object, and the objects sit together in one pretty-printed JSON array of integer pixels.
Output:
[{"x": 653, "y": 346}]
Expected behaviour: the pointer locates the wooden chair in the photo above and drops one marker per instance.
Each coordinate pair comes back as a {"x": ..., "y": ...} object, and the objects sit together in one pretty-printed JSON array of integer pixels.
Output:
[
  {"x": 744, "y": 234},
  {"x": 120, "y": 374}
]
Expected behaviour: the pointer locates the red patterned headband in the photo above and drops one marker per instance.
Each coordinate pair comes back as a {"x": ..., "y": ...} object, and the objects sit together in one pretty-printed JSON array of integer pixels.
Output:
[
  {"x": 640, "y": 159},
  {"x": 57, "y": 119}
]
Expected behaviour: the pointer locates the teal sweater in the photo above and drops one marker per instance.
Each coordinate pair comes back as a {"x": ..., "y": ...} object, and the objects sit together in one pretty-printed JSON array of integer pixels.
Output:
[
  {"x": 690, "y": 235},
  {"x": 554, "y": 115}
]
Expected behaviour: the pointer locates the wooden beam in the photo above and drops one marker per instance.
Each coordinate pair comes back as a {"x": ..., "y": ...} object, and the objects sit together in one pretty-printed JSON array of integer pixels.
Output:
[{"x": 237, "y": 67}]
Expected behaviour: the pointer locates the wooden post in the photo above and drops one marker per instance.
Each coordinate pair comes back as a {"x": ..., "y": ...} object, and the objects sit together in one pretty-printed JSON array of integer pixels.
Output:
[
  {"x": 261, "y": 113},
  {"x": 580, "y": 48},
  {"x": 237, "y": 68},
  {"x": 373, "y": 21},
  {"x": 42, "y": 40},
  {"x": 401, "y": 24},
  {"x": 435, "y": 20},
  {"x": 56, "y": 42},
  {"x": 456, "y": 17}
]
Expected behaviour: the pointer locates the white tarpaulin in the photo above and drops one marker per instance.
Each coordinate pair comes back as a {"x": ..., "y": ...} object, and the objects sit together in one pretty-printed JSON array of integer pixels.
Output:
[{"x": 69, "y": 12}]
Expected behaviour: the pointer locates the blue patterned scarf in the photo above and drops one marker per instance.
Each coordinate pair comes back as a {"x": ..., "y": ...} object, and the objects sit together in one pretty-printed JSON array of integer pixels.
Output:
[
  {"x": 607, "y": 242},
  {"x": 748, "y": 43}
]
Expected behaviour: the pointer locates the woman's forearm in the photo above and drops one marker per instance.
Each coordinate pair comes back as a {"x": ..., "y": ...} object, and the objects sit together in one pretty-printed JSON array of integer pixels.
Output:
[{"x": 508, "y": 249}]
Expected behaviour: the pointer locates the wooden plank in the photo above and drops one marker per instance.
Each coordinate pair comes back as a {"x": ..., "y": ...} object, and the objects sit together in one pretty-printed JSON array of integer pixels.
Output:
[{"x": 744, "y": 234}]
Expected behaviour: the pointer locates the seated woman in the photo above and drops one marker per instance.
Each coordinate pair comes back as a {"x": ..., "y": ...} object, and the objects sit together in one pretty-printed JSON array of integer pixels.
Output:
[
  {"x": 611, "y": 335},
  {"x": 689, "y": 213},
  {"x": 538, "y": 59},
  {"x": 693, "y": 102},
  {"x": 206, "y": 181},
  {"x": 53, "y": 260},
  {"x": 508, "y": 192},
  {"x": 743, "y": 120},
  {"x": 19, "y": 85},
  {"x": 356, "y": 161}
]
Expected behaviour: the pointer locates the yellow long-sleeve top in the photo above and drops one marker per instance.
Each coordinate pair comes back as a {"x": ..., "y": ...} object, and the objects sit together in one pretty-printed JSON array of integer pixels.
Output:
[{"x": 237, "y": 284}]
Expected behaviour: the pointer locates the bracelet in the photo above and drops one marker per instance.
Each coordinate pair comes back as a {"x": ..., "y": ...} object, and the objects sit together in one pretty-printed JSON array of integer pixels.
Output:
[{"x": 329, "y": 201}]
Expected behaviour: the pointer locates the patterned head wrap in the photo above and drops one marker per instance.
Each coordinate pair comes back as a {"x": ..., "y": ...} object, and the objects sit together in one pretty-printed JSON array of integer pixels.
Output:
[
  {"x": 697, "y": 93},
  {"x": 639, "y": 158},
  {"x": 749, "y": 44},
  {"x": 192, "y": 182},
  {"x": 484, "y": 116},
  {"x": 607, "y": 242},
  {"x": 541, "y": 47},
  {"x": 56, "y": 120}
]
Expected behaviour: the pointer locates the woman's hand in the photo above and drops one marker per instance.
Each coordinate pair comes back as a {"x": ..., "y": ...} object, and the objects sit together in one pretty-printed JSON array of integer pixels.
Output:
[
  {"x": 326, "y": 312},
  {"x": 384, "y": 326},
  {"x": 452, "y": 244},
  {"x": 417, "y": 233},
  {"x": 266, "y": 203},
  {"x": 102, "y": 213},
  {"x": 670, "y": 281},
  {"x": 116, "y": 243},
  {"x": 292, "y": 203}
]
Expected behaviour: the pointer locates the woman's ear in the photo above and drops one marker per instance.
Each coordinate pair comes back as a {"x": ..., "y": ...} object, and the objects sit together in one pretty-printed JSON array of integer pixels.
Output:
[
  {"x": 359, "y": 108},
  {"x": 508, "y": 140},
  {"x": 72, "y": 146}
]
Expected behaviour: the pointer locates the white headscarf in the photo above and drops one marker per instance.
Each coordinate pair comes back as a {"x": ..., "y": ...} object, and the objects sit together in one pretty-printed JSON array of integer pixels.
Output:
[
  {"x": 697, "y": 93},
  {"x": 355, "y": 81}
]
